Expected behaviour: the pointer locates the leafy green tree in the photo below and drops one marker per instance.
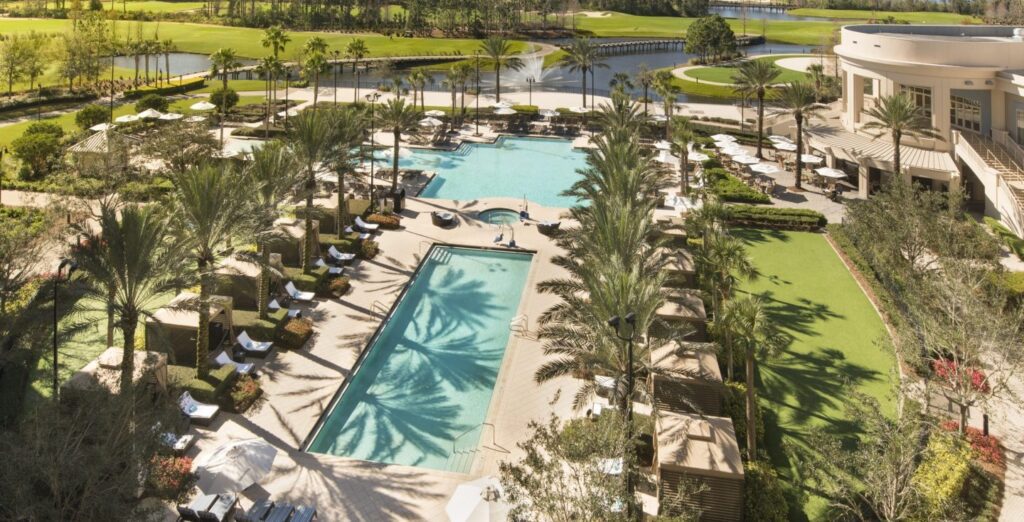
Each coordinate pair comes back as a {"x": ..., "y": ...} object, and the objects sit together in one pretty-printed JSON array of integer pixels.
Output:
[
  {"x": 694, "y": 8},
  {"x": 665, "y": 86},
  {"x": 397, "y": 117},
  {"x": 645, "y": 77},
  {"x": 129, "y": 264},
  {"x": 796, "y": 99},
  {"x": 711, "y": 38},
  {"x": 754, "y": 78},
  {"x": 152, "y": 101},
  {"x": 898, "y": 115},
  {"x": 92, "y": 114},
  {"x": 683, "y": 138},
  {"x": 225, "y": 100},
  {"x": 13, "y": 50},
  {"x": 38, "y": 150},
  {"x": 499, "y": 51}
]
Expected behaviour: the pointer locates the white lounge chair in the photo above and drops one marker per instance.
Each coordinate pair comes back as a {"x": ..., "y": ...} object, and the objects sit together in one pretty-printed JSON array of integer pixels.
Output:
[
  {"x": 364, "y": 226},
  {"x": 339, "y": 256},
  {"x": 240, "y": 368},
  {"x": 334, "y": 270},
  {"x": 255, "y": 347},
  {"x": 295, "y": 294},
  {"x": 178, "y": 443},
  {"x": 362, "y": 235},
  {"x": 292, "y": 312},
  {"x": 198, "y": 412}
]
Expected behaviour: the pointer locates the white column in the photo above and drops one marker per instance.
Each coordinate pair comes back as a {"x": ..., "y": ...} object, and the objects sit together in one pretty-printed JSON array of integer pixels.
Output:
[
  {"x": 864, "y": 180},
  {"x": 998, "y": 116}
]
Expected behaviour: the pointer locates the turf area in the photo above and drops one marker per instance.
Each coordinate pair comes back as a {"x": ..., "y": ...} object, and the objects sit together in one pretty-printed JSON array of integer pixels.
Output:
[
  {"x": 837, "y": 343},
  {"x": 914, "y": 17},
  {"x": 725, "y": 73},
  {"x": 151, "y": 6}
]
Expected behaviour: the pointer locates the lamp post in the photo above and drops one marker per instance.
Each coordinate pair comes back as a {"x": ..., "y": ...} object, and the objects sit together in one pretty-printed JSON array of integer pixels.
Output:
[
  {"x": 616, "y": 323},
  {"x": 372, "y": 98},
  {"x": 56, "y": 281},
  {"x": 335, "y": 53},
  {"x": 529, "y": 84},
  {"x": 477, "y": 53}
]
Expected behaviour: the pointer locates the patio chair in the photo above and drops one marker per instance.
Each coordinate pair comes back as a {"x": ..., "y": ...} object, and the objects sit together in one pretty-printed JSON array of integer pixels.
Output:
[
  {"x": 190, "y": 513},
  {"x": 334, "y": 270},
  {"x": 254, "y": 347},
  {"x": 257, "y": 512},
  {"x": 220, "y": 510},
  {"x": 240, "y": 368},
  {"x": 280, "y": 513},
  {"x": 295, "y": 294},
  {"x": 364, "y": 226},
  {"x": 442, "y": 219},
  {"x": 362, "y": 235},
  {"x": 304, "y": 514},
  {"x": 197, "y": 412},
  {"x": 275, "y": 305},
  {"x": 178, "y": 444},
  {"x": 338, "y": 256}
]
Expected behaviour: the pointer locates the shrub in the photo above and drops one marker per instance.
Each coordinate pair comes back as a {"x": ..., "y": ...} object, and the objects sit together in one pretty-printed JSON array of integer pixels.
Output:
[
  {"x": 92, "y": 114},
  {"x": 244, "y": 393},
  {"x": 339, "y": 286},
  {"x": 730, "y": 188},
  {"x": 736, "y": 409},
  {"x": 152, "y": 101},
  {"x": 295, "y": 333},
  {"x": 45, "y": 127},
  {"x": 170, "y": 477},
  {"x": 771, "y": 217},
  {"x": 942, "y": 473},
  {"x": 368, "y": 249},
  {"x": 38, "y": 151},
  {"x": 946, "y": 370},
  {"x": 166, "y": 90},
  {"x": 711, "y": 163},
  {"x": 763, "y": 497},
  {"x": 386, "y": 221},
  {"x": 1014, "y": 243},
  {"x": 987, "y": 448},
  {"x": 229, "y": 97}
]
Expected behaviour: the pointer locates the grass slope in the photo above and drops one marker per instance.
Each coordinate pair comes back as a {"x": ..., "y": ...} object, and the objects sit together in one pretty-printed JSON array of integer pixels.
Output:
[
  {"x": 725, "y": 73},
  {"x": 838, "y": 343},
  {"x": 205, "y": 39},
  {"x": 151, "y": 6}
]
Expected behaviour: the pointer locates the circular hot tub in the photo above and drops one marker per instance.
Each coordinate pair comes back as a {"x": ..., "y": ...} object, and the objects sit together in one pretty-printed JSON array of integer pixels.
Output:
[{"x": 498, "y": 216}]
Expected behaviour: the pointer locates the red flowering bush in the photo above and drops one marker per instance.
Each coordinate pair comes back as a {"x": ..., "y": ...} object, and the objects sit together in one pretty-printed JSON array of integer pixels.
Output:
[
  {"x": 171, "y": 477},
  {"x": 988, "y": 449},
  {"x": 244, "y": 393},
  {"x": 947, "y": 370}
]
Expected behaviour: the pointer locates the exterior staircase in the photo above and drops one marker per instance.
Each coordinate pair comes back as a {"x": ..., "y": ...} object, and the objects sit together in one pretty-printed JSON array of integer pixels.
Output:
[{"x": 1008, "y": 166}]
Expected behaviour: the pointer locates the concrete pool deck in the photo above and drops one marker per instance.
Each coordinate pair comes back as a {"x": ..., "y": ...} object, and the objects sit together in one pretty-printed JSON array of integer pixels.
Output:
[{"x": 299, "y": 385}]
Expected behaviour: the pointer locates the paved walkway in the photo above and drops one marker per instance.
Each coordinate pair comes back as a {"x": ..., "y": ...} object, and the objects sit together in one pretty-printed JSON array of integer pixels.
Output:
[{"x": 680, "y": 72}]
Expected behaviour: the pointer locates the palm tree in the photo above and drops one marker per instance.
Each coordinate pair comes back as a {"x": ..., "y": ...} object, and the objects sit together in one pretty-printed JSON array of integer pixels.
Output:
[
  {"x": 266, "y": 67},
  {"x": 499, "y": 51},
  {"x": 315, "y": 63},
  {"x": 168, "y": 47},
  {"x": 350, "y": 127},
  {"x": 817, "y": 73},
  {"x": 311, "y": 139},
  {"x": 130, "y": 262},
  {"x": 582, "y": 56},
  {"x": 207, "y": 213},
  {"x": 621, "y": 83},
  {"x": 276, "y": 39},
  {"x": 418, "y": 80},
  {"x": 645, "y": 78},
  {"x": 664, "y": 85},
  {"x": 397, "y": 117},
  {"x": 223, "y": 62},
  {"x": 464, "y": 74},
  {"x": 752, "y": 331},
  {"x": 899, "y": 115},
  {"x": 797, "y": 100},
  {"x": 682, "y": 137},
  {"x": 271, "y": 178},
  {"x": 754, "y": 78},
  {"x": 721, "y": 263},
  {"x": 453, "y": 79},
  {"x": 356, "y": 50}
]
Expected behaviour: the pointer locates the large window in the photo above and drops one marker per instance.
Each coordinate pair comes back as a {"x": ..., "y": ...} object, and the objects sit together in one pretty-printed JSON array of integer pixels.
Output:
[
  {"x": 1020, "y": 126},
  {"x": 921, "y": 96},
  {"x": 869, "y": 87},
  {"x": 965, "y": 113}
]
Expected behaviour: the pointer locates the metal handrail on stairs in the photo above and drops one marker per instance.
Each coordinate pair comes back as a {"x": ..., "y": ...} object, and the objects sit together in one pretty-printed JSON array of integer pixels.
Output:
[{"x": 494, "y": 441}]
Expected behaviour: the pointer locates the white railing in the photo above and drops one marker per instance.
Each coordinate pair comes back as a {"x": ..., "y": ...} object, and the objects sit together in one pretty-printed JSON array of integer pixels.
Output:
[{"x": 1002, "y": 137}]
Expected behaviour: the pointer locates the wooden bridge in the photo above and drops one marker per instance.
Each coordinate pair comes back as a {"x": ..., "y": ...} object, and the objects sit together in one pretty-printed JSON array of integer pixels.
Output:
[
  {"x": 661, "y": 44},
  {"x": 250, "y": 72},
  {"x": 773, "y": 5}
]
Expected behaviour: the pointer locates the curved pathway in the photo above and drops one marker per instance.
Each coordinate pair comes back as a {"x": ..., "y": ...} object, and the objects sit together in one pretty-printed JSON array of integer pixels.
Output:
[{"x": 680, "y": 72}]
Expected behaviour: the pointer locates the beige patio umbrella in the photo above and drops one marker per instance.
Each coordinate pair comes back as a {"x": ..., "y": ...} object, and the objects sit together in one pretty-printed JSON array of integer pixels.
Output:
[
  {"x": 235, "y": 466},
  {"x": 480, "y": 500}
]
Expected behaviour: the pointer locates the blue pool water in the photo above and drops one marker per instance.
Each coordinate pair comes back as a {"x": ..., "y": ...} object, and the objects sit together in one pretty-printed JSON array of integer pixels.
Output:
[
  {"x": 535, "y": 168},
  {"x": 426, "y": 381}
]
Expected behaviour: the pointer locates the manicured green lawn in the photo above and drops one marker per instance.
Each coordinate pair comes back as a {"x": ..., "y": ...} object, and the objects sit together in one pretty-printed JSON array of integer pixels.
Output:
[
  {"x": 9, "y": 133},
  {"x": 152, "y": 6},
  {"x": 915, "y": 17},
  {"x": 205, "y": 39},
  {"x": 837, "y": 343},
  {"x": 725, "y": 73},
  {"x": 623, "y": 25}
]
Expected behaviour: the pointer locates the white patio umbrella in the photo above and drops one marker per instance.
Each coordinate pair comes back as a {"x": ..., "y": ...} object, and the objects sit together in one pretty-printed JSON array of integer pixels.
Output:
[
  {"x": 149, "y": 114},
  {"x": 666, "y": 158},
  {"x": 723, "y": 137},
  {"x": 504, "y": 111},
  {"x": 725, "y": 144},
  {"x": 811, "y": 159},
  {"x": 829, "y": 172},
  {"x": 127, "y": 118},
  {"x": 479, "y": 500},
  {"x": 663, "y": 145},
  {"x": 195, "y": 119},
  {"x": 434, "y": 113},
  {"x": 784, "y": 145},
  {"x": 548, "y": 113},
  {"x": 203, "y": 106},
  {"x": 580, "y": 110},
  {"x": 735, "y": 151},
  {"x": 235, "y": 466},
  {"x": 503, "y": 104},
  {"x": 764, "y": 168},
  {"x": 659, "y": 118},
  {"x": 171, "y": 116},
  {"x": 746, "y": 160},
  {"x": 290, "y": 112},
  {"x": 100, "y": 127},
  {"x": 431, "y": 122},
  {"x": 699, "y": 156},
  {"x": 776, "y": 137}
]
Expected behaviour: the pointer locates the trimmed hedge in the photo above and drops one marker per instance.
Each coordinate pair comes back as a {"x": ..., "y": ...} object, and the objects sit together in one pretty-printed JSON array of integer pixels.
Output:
[
  {"x": 1014, "y": 243},
  {"x": 943, "y": 472},
  {"x": 259, "y": 329},
  {"x": 167, "y": 90},
  {"x": 386, "y": 221},
  {"x": 735, "y": 407},
  {"x": 311, "y": 282},
  {"x": 213, "y": 389},
  {"x": 773, "y": 217},
  {"x": 732, "y": 189},
  {"x": 295, "y": 333},
  {"x": 763, "y": 497}
]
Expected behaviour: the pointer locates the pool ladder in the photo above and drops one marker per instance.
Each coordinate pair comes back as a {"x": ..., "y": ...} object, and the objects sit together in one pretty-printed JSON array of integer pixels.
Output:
[
  {"x": 461, "y": 460},
  {"x": 520, "y": 324}
]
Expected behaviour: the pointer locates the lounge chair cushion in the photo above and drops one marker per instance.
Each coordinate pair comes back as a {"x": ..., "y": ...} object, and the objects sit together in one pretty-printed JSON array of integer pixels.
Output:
[
  {"x": 197, "y": 410},
  {"x": 253, "y": 346},
  {"x": 296, "y": 294},
  {"x": 362, "y": 235},
  {"x": 340, "y": 256},
  {"x": 366, "y": 226},
  {"x": 240, "y": 368},
  {"x": 257, "y": 512}
]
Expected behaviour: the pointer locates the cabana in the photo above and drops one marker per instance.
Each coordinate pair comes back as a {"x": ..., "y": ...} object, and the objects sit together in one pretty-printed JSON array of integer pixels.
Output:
[
  {"x": 680, "y": 267},
  {"x": 692, "y": 452},
  {"x": 174, "y": 326},
  {"x": 685, "y": 305},
  {"x": 291, "y": 240},
  {"x": 697, "y": 387},
  {"x": 103, "y": 149},
  {"x": 104, "y": 372},
  {"x": 239, "y": 279}
]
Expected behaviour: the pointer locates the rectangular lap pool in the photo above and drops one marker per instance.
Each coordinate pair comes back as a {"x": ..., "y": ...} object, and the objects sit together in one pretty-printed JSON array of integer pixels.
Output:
[
  {"x": 538, "y": 169},
  {"x": 426, "y": 380}
]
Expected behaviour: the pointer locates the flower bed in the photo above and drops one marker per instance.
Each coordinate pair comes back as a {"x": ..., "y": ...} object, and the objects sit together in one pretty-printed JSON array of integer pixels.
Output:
[
  {"x": 386, "y": 221},
  {"x": 987, "y": 448},
  {"x": 295, "y": 333},
  {"x": 170, "y": 477},
  {"x": 244, "y": 394}
]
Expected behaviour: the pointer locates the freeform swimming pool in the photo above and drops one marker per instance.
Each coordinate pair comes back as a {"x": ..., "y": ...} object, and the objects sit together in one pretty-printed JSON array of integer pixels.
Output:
[
  {"x": 425, "y": 383},
  {"x": 538, "y": 169}
]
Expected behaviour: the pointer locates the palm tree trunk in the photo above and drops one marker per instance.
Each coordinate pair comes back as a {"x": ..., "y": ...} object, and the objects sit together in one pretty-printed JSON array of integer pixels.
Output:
[
  {"x": 751, "y": 405},
  {"x": 497, "y": 81},
  {"x": 203, "y": 331},
  {"x": 896, "y": 159},
  {"x": 263, "y": 288},
  {"x": 584, "y": 87},
  {"x": 645, "y": 100},
  {"x": 110, "y": 317},
  {"x": 128, "y": 325},
  {"x": 394, "y": 171},
  {"x": 307, "y": 251},
  {"x": 799, "y": 150},
  {"x": 316, "y": 88},
  {"x": 686, "y": 174},
  {"x": 760, "y": 122},
  {"x": 355, "y": 95},
  {"x": 342, "y": 208}
]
